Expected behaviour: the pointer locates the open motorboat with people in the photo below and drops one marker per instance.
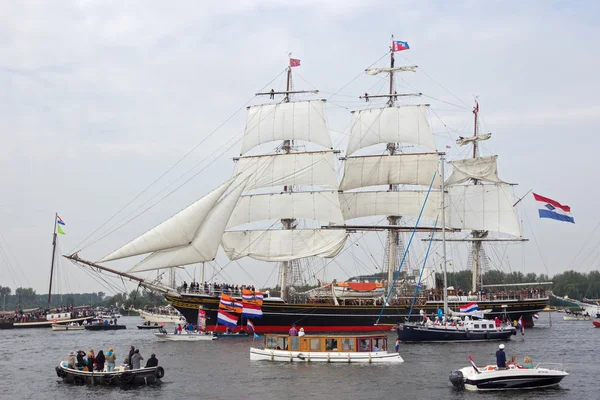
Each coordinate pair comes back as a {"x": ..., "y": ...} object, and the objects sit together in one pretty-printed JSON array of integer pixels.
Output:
[
  {"x": 491, "y": 377},
  {"x": 326, "y": 348},
  {"x": 121, "y": 375},
  {"x": 100, "y": 324},
  {"x": 149, "y": 325},
  {"x": 184, "y": 336},
  {"x": 73, "y": 326}
]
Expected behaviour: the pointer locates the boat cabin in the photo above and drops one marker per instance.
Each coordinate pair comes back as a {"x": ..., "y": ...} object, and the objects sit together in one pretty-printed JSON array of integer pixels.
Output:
[{"x": 326, "y": 343}]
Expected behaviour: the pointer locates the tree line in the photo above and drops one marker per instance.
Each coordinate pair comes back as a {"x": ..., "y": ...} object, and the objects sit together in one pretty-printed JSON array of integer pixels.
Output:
[{"x": 25, "y": 298}]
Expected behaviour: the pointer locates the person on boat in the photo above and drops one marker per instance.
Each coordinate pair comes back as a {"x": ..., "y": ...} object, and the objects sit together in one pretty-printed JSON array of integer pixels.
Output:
[
  {"x": 80, "y": 360},
  {"x": 90, "y": 360},
  {"x": 440, "y": 313},
  {"x": 179, "y": 329},
  {"x": 497, "y": 322},
  {"x": 437, "y": 321},
  {"x": 190, "y": 327},
  {"x": 527, "y": 362},
  {"x": 100, "y": 360},
  {"x": 136, "y": 359},
  {"x": 131, "y": 351},
  {"x": 228, "y": 330},
  {"x": 272, "y": 96},
  {"x": 511, "y": 361},
  {"x": 301, "y": 332},
  {"x": 110, "y": 359},
  {"x": 421, "y": 313},
  {"x": 501, "y": 357},
  {"x": 293, "y": 330},
  {"x": 71, "y": 361},
  {"x": 152, "y": 361}
]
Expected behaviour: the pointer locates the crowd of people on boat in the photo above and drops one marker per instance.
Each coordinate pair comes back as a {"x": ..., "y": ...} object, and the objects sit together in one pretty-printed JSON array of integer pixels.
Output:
[
  {"x": 215, "y": 288},
  {"x": 168, "y": 310},
  {"x": 439, "y": 319},
  {"x": 102, "y": 362},
  {"x": 482, "y": 295}
]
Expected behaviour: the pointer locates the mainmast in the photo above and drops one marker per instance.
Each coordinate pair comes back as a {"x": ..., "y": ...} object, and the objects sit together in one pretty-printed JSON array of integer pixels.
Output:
[
  {"x": 476, "y": 234},
  {"x": 52, "y": 263}
]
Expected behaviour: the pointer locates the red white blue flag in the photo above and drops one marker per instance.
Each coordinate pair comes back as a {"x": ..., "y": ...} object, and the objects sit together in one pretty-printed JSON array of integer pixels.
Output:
[
  {"x": 227, "y": 319},
  {"x": 251, "y": 311},
  {"x": 473, "y": 364},
  {"x": 469, "y": 307},
  {"x": 250, "y": 325},
  {"x": 59, "y": 220},
  {"x": 553, "y": 209},
  {"x": 399, "y": 46}
]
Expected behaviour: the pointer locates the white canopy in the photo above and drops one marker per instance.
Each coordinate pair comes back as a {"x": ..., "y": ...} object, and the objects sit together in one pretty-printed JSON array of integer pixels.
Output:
[
  {"x": 321, "y": 206},
  {"x": 205, "y": 244},
  {"x": 303, "y": 120},
  {"x": 483, "y": 208},
  {"x": 365, "y": 204},
  {"x": 283, "y": 245},
  {"x": 480, "y": 168},
  {"x": 408, "y": 124},
  {"x": 397, "y": 169},
  {"x": 310, "y": 168},
  {"x": 178, "y": 230}
]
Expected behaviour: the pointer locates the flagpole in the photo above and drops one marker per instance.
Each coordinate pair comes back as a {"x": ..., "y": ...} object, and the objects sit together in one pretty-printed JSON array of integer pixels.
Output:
[{"x": 52, "y": 262}]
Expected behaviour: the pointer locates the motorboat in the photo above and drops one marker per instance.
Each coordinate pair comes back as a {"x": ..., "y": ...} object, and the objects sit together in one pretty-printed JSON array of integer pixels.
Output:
[
  {"x": 514, "y": 377},
  {"x": 73, "y": 326},
  {"x": 472, "y": 330},
  {"x": 596, "y": 323},
  {"x": 184, "y": 336},
  {"x": 575, "y": 317},
  {"x": 122, "y": 375},
  {"x": 326, "y": 348},
  {"x": 172, "y": 317},
  {"x": 103, "y": 325}
]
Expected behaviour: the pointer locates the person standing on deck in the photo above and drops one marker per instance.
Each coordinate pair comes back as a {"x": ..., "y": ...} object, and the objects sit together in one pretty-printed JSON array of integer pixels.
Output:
[
  {"x": 131, "y": 351},
  {"x": 293, "y": 330},
  {"x": 501, "y": 357}
]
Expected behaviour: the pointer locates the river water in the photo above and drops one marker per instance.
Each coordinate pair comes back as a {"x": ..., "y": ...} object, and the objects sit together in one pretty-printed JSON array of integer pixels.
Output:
[{"x": 221, "y": 369}]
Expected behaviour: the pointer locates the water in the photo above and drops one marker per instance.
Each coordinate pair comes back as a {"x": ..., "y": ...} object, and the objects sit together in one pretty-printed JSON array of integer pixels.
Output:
[{"x": 221, "y": 369}]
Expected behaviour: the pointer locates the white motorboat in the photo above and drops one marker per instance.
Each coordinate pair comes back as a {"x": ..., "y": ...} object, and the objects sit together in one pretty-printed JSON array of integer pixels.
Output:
[
  {"x": 166, "y": 318},
  {"x": 572, "y": 317},
  {"x": 184, "y": 337},
  {"x": 514, "y": 377},
  {"x": 330, "y": 348},
  {"x": 74, "y": 326}
]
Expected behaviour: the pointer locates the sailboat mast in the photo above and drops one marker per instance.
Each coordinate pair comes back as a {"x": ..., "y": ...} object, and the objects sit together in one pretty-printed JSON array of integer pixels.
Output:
[
  {"x": 476, "y": 234},
  {"x": 286, "y": 222},
  {"x": 442, "y": 160},
  {"x": 52, "y": 263},
  {"x": 393, "y": 235}
]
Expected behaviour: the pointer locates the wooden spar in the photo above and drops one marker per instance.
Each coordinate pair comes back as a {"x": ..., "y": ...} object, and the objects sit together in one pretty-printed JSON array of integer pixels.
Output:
[
  {"x": 397, "y": 228},
  {"x": 391, "y": 96},
  {"x": 286, "y": 92},
  {"x": 142, "y": 282},
  {"x": 483, "y": 239},
  {"x": 398, "y": 155},
  {"x": 518, "y": 201},
  {"x": 299, "y": 152},
  {"x": 52, "y": 263}
]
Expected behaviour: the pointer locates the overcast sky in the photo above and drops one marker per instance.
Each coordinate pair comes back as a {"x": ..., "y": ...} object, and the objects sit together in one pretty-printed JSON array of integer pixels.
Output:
[{"x": 100, "y": 98}]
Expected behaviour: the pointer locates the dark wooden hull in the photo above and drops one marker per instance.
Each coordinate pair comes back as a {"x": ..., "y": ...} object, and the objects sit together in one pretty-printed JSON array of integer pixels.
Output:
[
  {"x": 416, "y": 334},
  {"x": 124, "y": 379},
  {"x": 102, "y": 327}
]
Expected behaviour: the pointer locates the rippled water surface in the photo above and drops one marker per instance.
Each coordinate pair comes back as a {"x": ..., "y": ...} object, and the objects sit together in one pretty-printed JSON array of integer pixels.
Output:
[{"x": 221, "y": 369}]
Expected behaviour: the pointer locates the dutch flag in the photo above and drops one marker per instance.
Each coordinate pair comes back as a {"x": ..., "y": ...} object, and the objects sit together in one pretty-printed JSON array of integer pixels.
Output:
[
  {"x": 227, "y": 319},
  {"x": 536, "y": 316},
  {"x": 553, "y": 209},
  {"x": 470, "y": 307}
]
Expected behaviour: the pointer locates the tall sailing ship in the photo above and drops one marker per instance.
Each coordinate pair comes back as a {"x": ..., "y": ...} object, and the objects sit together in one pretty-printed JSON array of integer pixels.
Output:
[{"x": 297, "y": 187}]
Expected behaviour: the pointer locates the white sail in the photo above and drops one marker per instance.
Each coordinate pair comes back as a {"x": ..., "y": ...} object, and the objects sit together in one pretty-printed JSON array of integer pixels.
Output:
[
  {"x": 408, "y": 124},
  {"x": 303, "y": 120},
  {"x": 407, "y": 68},
  {"x": 205, "y": 244},
  {"x": 366, "y": 204},
  {"x": 178, "y": 230},
  {"x": 309, "y": 168},
  {"x": 468, "y": 140},
  {"x": 283, "y": 245},
  {"x": 398, "y": 169},
  {"x": 483, "y": 208},
  {"x": 321, "y": 206},
  {"x": 480, "y": 168}
]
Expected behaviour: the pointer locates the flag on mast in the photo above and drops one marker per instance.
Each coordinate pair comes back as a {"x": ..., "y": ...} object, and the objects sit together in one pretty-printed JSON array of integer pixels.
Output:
[
  {"x": 294, "y": 62},
  {"x": 227, "y": 319},
  {"x": 399, "y": 46},
  {"x": 59, "y": 220},
  {"x": 553, "y": 209},
  {"x": 59, "y": 230}
]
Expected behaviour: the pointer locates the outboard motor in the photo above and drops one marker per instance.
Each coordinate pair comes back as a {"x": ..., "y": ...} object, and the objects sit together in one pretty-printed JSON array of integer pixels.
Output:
[{"x": 457, "y": 379}]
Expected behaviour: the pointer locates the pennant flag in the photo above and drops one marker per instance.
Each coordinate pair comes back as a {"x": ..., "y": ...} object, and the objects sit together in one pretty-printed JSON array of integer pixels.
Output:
[
  {"x": 59, "y": 230},
  {"x": 473, "y": 364},
  {"x": 399, "y": 46},
  {"x": 251, "y": 311},
  {"x": 228, "y": 303},
  {"x": 250, "y": 325},
  {"x": 470, "y": 307},
  {"x": 256, "y": 336},
  {"x": 294, "y": 62},
  {"x": 59, "y": 220},
  {"x": 553, "y": 209},
  {"x": 536, "y": 316},
  {"x": 227, "y": 319}
]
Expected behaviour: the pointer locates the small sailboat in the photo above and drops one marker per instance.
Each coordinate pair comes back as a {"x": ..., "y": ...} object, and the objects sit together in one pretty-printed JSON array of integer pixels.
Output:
[{"x": 327, "y": 348}]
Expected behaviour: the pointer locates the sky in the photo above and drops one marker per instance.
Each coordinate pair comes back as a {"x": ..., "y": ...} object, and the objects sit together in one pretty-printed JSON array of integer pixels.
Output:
[{"x": 108, "y": 106}]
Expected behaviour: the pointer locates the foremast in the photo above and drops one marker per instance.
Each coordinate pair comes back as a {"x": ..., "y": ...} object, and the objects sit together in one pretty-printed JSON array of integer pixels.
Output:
[{"x": 52, "y": 262}]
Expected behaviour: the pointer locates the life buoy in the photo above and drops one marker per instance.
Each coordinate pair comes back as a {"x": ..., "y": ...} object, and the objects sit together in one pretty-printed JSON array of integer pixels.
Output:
[
  {"x": 127, "y": 377},
  {"x": 107, "y": 379},
  {"x": 79, "y": 380},
  {"x": 160, "y": 372}
]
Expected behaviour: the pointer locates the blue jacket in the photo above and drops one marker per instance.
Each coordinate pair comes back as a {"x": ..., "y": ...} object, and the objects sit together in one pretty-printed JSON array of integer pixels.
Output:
[{"x": 501, "y": 358}]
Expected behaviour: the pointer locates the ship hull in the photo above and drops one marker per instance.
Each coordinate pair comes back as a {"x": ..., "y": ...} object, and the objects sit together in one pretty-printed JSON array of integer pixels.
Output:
[{"x": 279, "y": 316}]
